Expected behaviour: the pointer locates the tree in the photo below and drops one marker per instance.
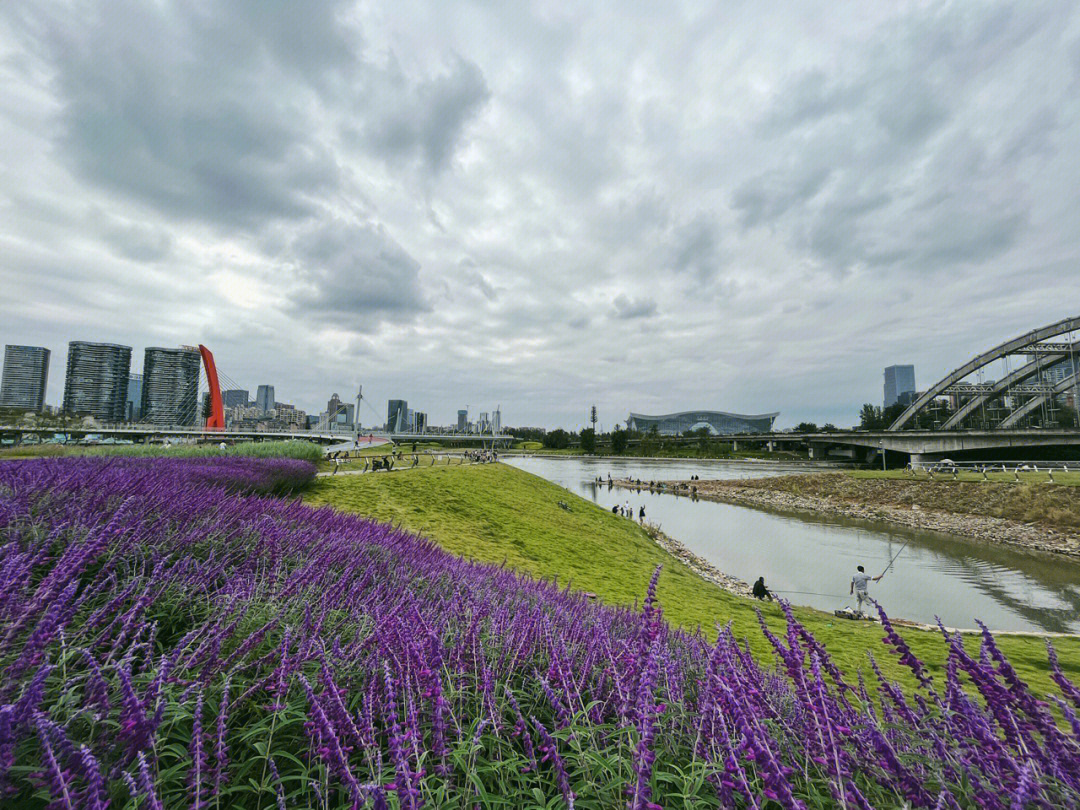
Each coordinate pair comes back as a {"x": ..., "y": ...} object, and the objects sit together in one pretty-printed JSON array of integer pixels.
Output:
[
  {"x": 806, "y": 427},
  {"x": 588, "y": 440},
  {"x": 702, "y": 434},
  {"x": 618, "y": 441},
  {"x": 870, "y": 417},
  {"x": 829, "y": 427},
  {"x": 557, "y": 439},
  {"x": 892, "y": 413},
  {"x": 527, "y": 434}
]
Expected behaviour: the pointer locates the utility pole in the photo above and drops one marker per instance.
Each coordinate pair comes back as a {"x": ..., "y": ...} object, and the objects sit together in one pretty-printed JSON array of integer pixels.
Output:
[{"x": 592, "y": 417}]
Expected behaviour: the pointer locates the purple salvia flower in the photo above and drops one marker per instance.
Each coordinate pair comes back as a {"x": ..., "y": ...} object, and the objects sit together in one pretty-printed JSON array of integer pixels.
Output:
[
  {"x": 198, "y": 755},
  {"x": 59, "y": 777},
  {"x": 550, "y": 752},
  {"x": 97, "y": 792},
  {"x": 147, "y": 783},
  {"x": 279, "y": 790},
  {"x": 221, "y": 751}
]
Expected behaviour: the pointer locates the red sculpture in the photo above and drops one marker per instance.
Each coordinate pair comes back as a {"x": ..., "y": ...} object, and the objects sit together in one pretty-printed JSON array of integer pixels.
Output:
[{"x": 216, "y": 420}]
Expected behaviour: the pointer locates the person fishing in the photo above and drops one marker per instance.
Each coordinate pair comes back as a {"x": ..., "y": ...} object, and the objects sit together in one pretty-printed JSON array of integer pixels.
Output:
[
  {"x": 760, "y": 591},
  {"x": 858, "y": 586}
]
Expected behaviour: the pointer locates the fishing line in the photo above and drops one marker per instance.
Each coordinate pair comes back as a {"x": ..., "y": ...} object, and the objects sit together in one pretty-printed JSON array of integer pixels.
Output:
[{"x": 813, "y": 593}]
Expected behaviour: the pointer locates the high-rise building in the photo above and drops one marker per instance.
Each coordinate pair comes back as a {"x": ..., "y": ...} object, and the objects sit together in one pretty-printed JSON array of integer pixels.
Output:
[
  {"x": 341, "y": 413},
  {"x": 170, "y": 394},
  {"x": 264, "y": 398},
  {"x": 1058, "y": 372},
  {"x": 397, "y": 415},
  {"x": 26, "y": 372},
  {"x": 235, "y": 398},
  {"x": 463, "y": 420},
  {"x": 899, "y": 380},
  {"x": 96, "y": 380},
  {"x": 496, "y": 420},
  {"x": 133, "y": 404},
  {"x": 290, "y": 415},
  {"x": 420, "y": 421}
]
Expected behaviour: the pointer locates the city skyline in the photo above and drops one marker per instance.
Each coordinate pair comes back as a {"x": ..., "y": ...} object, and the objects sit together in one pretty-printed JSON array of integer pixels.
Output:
[{"x": 645, "y": 207}]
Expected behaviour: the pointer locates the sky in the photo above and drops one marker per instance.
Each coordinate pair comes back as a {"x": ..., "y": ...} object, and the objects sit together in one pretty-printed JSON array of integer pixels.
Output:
[{"x": 650, "y": 207}]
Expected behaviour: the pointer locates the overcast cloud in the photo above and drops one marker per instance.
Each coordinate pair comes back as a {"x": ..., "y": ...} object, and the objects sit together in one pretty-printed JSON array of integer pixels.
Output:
[{"x": 650, "y": 207}]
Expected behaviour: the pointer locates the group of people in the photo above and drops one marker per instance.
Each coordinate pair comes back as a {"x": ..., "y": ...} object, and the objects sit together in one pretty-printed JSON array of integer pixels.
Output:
[
  {"x": 482, "y": 456},
  {"x": 627, "y": 511}
]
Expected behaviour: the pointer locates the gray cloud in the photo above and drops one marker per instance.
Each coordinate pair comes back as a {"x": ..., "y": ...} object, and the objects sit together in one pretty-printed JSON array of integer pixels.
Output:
[
  {"x": 207, "y": 113},
  {"x": 137, "y": 241},
  {"x": 424, "y": 120},
  {"x": 354, "y": 274},
  {"x": 696, "y": 248},
  {"x": 627, "y": 308}
]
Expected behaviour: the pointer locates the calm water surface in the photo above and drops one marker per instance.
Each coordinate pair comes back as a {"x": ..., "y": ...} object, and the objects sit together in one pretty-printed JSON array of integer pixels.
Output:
[{"x": 812, "y": 557}]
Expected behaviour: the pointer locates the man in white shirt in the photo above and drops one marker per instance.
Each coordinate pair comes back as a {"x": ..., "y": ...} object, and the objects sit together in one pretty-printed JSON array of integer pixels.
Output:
[{"x": 858, "y": 586}]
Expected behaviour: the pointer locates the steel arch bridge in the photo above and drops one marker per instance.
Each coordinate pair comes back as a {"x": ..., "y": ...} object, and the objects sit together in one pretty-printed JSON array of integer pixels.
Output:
[{"x": 1025, "y": 396}]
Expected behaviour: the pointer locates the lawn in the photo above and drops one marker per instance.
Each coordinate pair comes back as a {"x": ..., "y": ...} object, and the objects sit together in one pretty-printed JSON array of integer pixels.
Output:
[{"x": 499, "y": 514}]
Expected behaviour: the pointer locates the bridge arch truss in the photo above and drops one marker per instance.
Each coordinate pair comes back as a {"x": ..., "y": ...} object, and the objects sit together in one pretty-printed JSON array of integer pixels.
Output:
[{"x": 1029, "y": 392}]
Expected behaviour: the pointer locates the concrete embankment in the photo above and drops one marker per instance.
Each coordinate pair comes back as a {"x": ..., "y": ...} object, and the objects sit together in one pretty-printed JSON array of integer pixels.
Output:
[{"x": 973, "y": 511}]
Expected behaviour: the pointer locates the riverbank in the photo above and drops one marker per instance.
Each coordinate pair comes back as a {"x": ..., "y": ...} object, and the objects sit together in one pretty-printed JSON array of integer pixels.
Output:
[
  {"x": 499, "y": 514},
  {"x": 699, "y": 565},
  {"x": 1038, "y": 517}
]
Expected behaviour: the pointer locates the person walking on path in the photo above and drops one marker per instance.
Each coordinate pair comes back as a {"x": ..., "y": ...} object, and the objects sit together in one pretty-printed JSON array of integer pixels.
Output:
[{"x": 858, "y": 587}]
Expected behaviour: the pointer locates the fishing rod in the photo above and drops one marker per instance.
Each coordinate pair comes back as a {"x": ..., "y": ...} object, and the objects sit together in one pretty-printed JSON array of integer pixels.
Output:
[{"x": 897, "y": 554}]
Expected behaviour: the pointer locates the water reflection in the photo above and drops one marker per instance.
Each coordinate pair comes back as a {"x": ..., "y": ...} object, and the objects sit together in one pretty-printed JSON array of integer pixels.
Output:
[{"x": 810, "y": 558}]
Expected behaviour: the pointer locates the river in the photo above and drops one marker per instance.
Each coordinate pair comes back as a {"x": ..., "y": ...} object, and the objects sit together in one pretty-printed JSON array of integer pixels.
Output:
[{"x": 809, "y": 558}]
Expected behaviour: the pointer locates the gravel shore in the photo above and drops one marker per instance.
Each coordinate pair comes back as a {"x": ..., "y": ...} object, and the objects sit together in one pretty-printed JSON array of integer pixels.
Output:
[{"x": 699, "y": 565}]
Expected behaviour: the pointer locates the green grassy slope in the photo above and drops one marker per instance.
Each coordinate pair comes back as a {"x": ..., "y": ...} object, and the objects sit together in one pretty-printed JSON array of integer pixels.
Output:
[{"x": 495, "y": 513}]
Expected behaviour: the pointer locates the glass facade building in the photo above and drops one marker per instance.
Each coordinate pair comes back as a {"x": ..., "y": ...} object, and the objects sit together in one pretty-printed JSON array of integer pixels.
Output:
[
  {"x": 26, "y": 373},
  {"x": 235, "y": 398},
  {"x": 264, "y": 398},
  {"x": 716, "y": 422},
  {"x": 133, "y": 407},
  {"x": 899, "y": 384},
  {"x": 397, "y": 416},
  {"x": 170, "y": 391},
  {"x": 96, "y": 380}
]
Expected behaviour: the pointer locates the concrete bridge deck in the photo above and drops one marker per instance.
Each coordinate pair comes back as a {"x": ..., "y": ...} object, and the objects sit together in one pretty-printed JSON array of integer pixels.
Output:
[{"x": 920, "y": 445}]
